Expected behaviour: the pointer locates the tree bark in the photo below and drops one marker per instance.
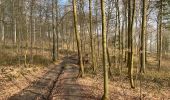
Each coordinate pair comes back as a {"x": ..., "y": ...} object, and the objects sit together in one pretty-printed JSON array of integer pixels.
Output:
[
  {"x": 31, "y": 30},
  {"x": 81, "y": 72},
  {"x": 143, "y": 35},
  {"x": 160, "y": 36},
  {"x": 91, "y": 36},
  {"x": 104, "y": 44},
  {"x": 131, "y": 14},
  {"x": 53, "y": 30}
]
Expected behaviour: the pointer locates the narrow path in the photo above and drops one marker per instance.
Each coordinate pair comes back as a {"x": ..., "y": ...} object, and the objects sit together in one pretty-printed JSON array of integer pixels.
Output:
[
  {"x": 60, "y": 83},
  {"x": 42, "y": 88},
  {"x": 67, "y": 87}
]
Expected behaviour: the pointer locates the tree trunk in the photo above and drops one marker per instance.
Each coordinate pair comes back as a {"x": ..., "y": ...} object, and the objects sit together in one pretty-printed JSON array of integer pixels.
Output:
[
  {"x": 160, "y": 36},
  {"x": 91, "y": 36},
  {"x": 2, "y": 29},
  {"x": 53, "y": 30},
  {"x": 131, "y": 14},
  {"x": 81, "y": 72},
  {"x": 31, "y": 29},
  {"x": 105, "y": 65},
  {"x": 57, "y": 32},
  {"x": 143, "y": 35}
]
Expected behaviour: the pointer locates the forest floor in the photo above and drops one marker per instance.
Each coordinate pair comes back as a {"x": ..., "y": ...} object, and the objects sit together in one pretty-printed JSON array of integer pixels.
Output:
[{"x": 59, "y": 81}]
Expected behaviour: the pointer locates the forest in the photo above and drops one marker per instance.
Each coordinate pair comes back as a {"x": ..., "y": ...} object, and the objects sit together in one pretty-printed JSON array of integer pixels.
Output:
[{"x": 84, "y": 49}]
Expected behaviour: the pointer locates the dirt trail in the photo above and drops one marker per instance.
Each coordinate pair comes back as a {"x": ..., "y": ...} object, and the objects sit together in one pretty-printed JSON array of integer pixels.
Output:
[
  {"x": 42, "y": 88},
  {"x": 61, "y": 83},
  {"x": 57, "y": 84},
  {"x": 68, "y": 88}
]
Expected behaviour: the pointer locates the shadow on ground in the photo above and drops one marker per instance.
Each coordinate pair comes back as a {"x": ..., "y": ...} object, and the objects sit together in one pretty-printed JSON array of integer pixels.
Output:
[{"x": 57, "y": 84}]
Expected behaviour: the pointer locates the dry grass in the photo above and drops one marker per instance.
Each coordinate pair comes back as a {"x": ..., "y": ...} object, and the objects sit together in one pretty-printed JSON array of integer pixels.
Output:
[
  {"x": 155, "y": 85},
  {"x": 13, "y": 67}
]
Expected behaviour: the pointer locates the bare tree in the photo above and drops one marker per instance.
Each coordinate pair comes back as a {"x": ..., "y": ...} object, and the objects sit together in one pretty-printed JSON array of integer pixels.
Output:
[
  {"x": 131, "y": 14},
  {"x": 104, "y": 41},
  {"x": 81, "y": 72}
]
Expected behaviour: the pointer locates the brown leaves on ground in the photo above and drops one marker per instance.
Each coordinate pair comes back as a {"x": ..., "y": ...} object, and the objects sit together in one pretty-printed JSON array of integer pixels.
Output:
[
  {"x": 122, "y": 91},
  {"x": 68, "y": 87},
  {"x": 14, "y": 79}
]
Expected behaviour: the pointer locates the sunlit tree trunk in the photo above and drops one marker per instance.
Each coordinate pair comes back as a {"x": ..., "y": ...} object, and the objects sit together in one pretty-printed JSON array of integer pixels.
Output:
[
  {"x": 15, "y": 31},
  {"x": 34, "y": 31},
  {"x": 57, "y": 30},
  {"x": 2, "y": 28},
  {"x": 126, "y": 29},
  {"x": 81, "y": 72},
  {"x": 31, "y": 29},
  {"x": 122, "y": 43},
  {"x": 143, "y": 35},
  {"x": 91, "y": 36},
  {"x": 115, "y": 36},
  {"x": 131, "y": 14},
  {"x": 97, "y": 29},
  {"x": 109, "y": 13},
  {"x": 160, "y": 36},
  {"x": 118, "y": 16},
  {"x": 105, "y": 67}
]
